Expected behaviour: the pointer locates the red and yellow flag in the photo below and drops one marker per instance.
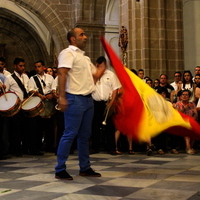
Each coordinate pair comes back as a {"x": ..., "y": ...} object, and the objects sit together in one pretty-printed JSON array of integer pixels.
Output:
[{"x": 142, "y": 113}]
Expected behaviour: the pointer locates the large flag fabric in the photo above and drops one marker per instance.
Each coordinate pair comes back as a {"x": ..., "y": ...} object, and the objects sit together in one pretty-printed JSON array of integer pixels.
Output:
[{"x": 141, "y": 112}]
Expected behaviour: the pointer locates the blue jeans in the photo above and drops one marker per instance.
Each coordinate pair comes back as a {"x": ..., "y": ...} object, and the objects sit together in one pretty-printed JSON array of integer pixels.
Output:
[{"x": 78, "y": 119}]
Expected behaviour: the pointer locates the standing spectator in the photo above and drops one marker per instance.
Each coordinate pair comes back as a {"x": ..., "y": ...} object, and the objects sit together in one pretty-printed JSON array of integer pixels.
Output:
[
  {"x": 174, "y": 94},
  {"x": 149, "y": 82},
  {"x": 188, "y": 108},
  {"x": 164, "y": 83},
  {"x": 50, "y": 71},
  {"x": 188, "y": 83},
  {"x": 196, "y": 71},
  {"x": 140, "y": 73},
  {"x": 177, "y": 78},
  {"x": 197, "y": 92},
  {"x": 156, "y": 84}
]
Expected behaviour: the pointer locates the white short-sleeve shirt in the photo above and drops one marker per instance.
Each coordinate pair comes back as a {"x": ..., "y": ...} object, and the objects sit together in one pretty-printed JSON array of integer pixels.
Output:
[
  {"x": 48, "y": 79},
  {"x": 79, "y": 78},
  {"x": 105, "y": 86},
  {"x": 12, "y": 85}
]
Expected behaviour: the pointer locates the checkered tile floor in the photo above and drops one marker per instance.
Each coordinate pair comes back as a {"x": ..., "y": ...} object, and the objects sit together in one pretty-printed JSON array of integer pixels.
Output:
[{"x": 127, "y": 177}]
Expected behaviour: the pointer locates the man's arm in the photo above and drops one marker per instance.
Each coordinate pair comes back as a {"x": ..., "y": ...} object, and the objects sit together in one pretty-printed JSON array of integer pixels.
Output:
[
  {"x": 99, "y": 71},
  {"x": 113, "y": 97},
  {"x": 62, "y": 78}
]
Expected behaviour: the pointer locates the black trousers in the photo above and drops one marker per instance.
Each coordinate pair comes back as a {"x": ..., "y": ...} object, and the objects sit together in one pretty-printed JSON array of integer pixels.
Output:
[
  {"x": 4, "y": 136},
  {"x": 45, "y": 137},
  {"x": 103, "y": 136},
  {"x": 19, "y": 136}
]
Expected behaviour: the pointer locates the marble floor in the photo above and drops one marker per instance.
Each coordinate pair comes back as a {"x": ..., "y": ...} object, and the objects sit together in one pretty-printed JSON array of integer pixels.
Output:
[{"x": 127, "y": 177}]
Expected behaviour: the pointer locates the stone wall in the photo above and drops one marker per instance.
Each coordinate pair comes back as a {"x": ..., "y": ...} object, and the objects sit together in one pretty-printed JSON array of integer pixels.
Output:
[
  {"x": 155, "y": 35},
  {"x": 37, "y": 29}
]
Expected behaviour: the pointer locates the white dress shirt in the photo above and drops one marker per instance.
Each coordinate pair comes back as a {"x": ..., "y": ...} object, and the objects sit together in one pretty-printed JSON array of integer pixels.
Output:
[
  {"x": 6, "y": 73},
  {"x": 11, "y": 84},
  {"x": 79, "y": 78},
  {"x": 48, "y": 79},
  {"x": 105, "y": 86}
]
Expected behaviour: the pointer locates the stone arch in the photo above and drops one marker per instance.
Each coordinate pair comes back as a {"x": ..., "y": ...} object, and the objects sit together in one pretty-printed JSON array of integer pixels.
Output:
[
  {"x": 21, "y": 40},
  {"x": 41, "y": 30},
  {"x": 51, "y": 17}
]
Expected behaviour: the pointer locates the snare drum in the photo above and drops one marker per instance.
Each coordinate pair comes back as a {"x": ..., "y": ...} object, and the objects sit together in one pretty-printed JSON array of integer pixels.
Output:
[
  {"x": 49, "y": 108},
  {"x": 32, "y": 106},
  {"x": 10, "y": 104}
]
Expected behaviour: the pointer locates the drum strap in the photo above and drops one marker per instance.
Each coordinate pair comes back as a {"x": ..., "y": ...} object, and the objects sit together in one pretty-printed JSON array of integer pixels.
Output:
[
  {"x": 20, "y": 84},
  {"x": 38, "y": 84}
]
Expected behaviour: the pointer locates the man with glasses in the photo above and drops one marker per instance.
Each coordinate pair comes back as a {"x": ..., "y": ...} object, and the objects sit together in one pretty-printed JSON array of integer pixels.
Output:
[{"x": 177, "y": 78}]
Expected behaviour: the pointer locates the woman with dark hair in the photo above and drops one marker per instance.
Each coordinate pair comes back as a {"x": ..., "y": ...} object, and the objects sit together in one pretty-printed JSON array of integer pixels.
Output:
[
  {"x": 49, "y": 71},
  {"x": 156, "y": 84},
  {"x": 149, "y": 82},
  {"x": 188, "y": 83}
]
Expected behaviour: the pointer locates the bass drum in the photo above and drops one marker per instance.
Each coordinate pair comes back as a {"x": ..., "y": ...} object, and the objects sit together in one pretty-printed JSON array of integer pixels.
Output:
[
  {"x": 49, "y": 108},
  {"x": 32, "y": 106},
  {"x": 10, "y": 104}
]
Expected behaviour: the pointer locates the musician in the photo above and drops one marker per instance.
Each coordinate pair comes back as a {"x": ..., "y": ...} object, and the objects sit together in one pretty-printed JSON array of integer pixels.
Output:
[
  {"x": 2, "y": 66},
  {"x": 3, "y": 133},
  {"x": 104, "y": 95},
  {"x": 2, "y": 86},
  {"x": 18, "y": 124},
  {"x": 42, "y": 82}
]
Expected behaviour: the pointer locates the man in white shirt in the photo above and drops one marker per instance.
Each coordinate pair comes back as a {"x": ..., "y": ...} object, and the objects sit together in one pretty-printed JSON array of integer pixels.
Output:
[
  {"x": 140, "y": 74},
  {"x": 76, "y": 78},
  {"x": 18, "y": 83},
  {"x": 42, "y": 84},
  {"x": 105, "y": 93},
  {"x": 177, "y": 78}
]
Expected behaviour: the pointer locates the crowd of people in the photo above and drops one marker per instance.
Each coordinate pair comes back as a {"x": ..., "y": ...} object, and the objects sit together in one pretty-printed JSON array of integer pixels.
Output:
[{"x": 27, "y": 132}]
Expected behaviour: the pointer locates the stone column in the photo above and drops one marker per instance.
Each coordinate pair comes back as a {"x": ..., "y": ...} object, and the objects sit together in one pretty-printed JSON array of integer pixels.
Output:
[{"x": 155, "y": 35}]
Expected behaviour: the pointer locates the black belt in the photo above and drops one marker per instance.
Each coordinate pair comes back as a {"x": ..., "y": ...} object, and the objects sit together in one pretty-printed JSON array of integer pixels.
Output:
[
  {"x": 87, "y": 96},
  {"x": 100, "y": 101}
]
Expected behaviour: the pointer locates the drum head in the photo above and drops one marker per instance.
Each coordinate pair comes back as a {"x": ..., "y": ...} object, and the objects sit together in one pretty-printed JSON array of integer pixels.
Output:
[
  {"x": 7, "y": 101},
  {"x": 32, "y": 102}
]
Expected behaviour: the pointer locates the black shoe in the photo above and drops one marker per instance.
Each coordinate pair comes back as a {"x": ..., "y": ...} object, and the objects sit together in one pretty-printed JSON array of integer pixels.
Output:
[
  {"x": 4, "y": 157},
  {"x": 89, "y": 172},
  {"x": 149, "y": 152},
  {"x": 17, "y": 154},
  {"x": 36, "y": 153},
  {"x": 93, "y": 151},
  {"x": 63, "y": 175}
]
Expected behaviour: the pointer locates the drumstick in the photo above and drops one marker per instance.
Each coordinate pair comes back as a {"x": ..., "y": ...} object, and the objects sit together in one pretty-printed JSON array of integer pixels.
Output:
[
  {"x": 4, "y": 92},
  {"x": 29, "y": 97}
]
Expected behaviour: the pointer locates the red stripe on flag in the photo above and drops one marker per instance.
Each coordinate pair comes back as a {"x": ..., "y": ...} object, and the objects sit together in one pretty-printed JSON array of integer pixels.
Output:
[{"x": 130, "y": 106}]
